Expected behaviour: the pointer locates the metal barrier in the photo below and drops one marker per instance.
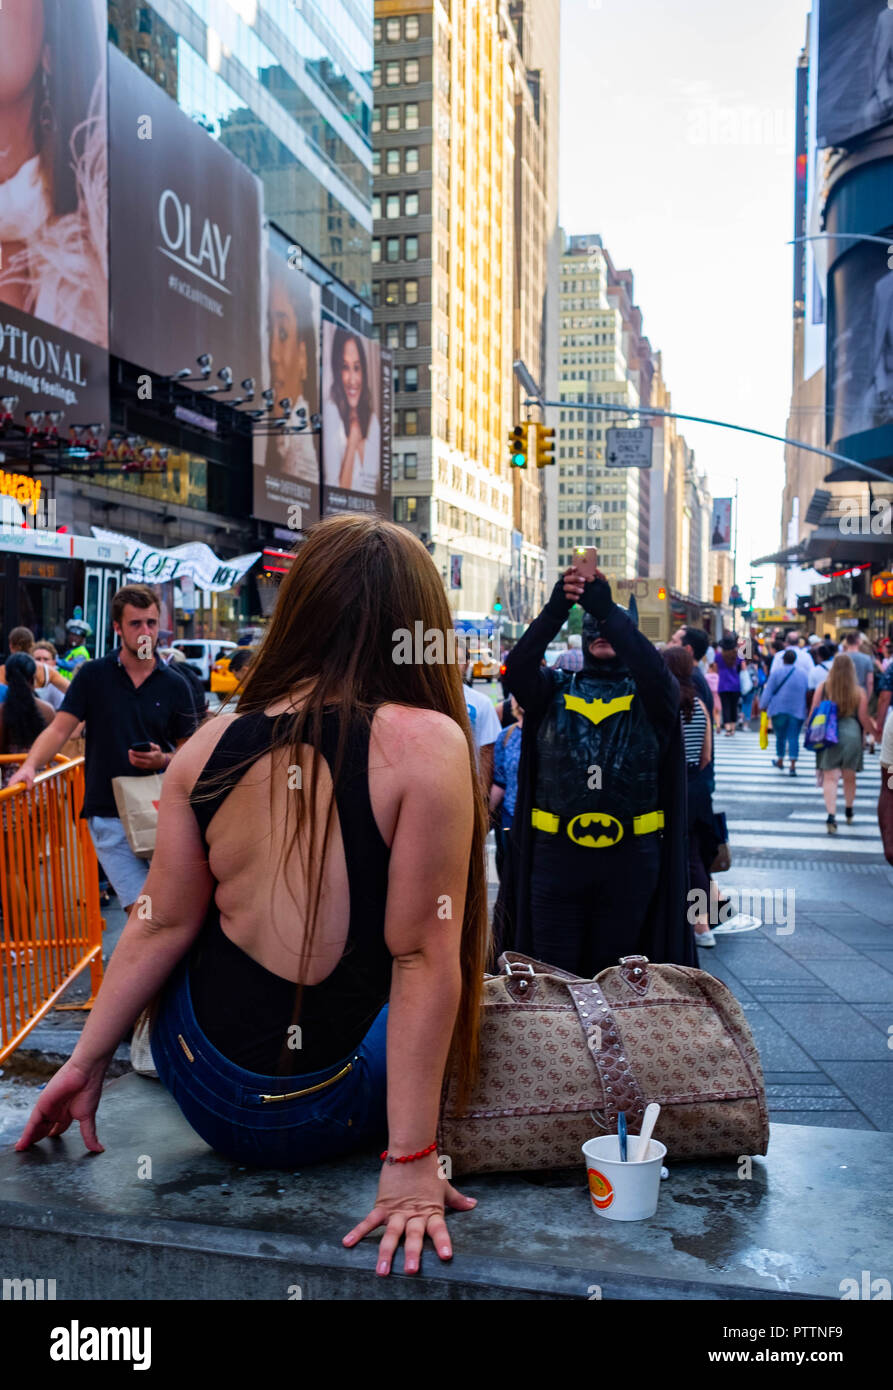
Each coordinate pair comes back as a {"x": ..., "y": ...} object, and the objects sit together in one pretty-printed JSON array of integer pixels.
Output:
[{"x": 50, "y": 922}]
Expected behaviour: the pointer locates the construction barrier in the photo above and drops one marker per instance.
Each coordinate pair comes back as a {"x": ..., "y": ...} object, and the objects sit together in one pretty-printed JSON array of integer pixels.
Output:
[{"x": 50, "y": 922}]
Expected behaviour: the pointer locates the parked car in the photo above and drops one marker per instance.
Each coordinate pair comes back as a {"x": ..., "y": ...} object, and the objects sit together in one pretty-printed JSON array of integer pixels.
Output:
[{"x": 201, "y": 654}]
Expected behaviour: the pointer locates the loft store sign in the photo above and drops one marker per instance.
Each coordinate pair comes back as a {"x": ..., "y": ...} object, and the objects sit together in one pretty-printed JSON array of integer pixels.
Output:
[
  {"x": 205, "y": 251},
  {"x": 194, "y": 560}
]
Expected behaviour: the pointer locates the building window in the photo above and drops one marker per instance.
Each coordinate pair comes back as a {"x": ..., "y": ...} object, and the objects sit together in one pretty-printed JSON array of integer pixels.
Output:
[
  {"x": 393, "y": 249},
  {"x": 376, "y": 207},
  {"x": 392, "y": 293},
  {"x": 410, "y": 422},
  {"x": 411, "y": 379},
  {"x": 376, "y": 31},
  {"x": 392, "y": 31},
  {"x": 392, "y": 75},
  {"x": 411, "y": 121},
  {"x": 376, "y": 120},
  {"x": 410, "y": 335},
  {"x": 411, "y": 291},
  {"x": 410, "y": 466},
  {"x": 411, "y": 160},
  {"x": 392, "y": 118},
  {"x": 406, "y": 509},
  {"x": 376, "y": 294},
  {"x": 392, "y": 335},
  {"x": 411, "y": 208},
  {"x": 411, "y": 71},
  {"x": 411, "y": 27},
  {"x": 393, "y": 161},
  {"x": 376, "y": 162},
  {"x": 376, "y": 250},
  {"x": 392, "y": 205},
  {"x": 411, "y": 253},
  {"x": 376, "y": 75}
]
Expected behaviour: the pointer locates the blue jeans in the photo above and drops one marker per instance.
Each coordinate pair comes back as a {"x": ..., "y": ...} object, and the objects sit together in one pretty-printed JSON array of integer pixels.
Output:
[
  {"x": 225, "y": 1104},
  {"x": 787, "y": 735}
]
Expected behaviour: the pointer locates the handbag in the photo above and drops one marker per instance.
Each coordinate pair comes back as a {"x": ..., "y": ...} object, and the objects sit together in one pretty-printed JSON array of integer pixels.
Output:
[
  {"x": 821, "y": 731},
  {"x": 560, "y": 1056},
  {"x": 137, "y": 801},
  {"x": 764, "y": 729},
  {"x": 745, "y": 681}
]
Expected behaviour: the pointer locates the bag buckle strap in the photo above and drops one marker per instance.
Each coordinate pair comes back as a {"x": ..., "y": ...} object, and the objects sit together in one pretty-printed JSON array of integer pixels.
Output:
[{"x": 619, "y": 1085}]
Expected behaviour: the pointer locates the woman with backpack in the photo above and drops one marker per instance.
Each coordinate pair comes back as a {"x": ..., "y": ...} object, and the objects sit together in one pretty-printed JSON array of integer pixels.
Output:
[{"x": 853, "y": 722}]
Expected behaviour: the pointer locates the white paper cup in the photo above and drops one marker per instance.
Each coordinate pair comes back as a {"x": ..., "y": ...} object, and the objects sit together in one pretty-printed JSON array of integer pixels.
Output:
[{"x": 623, "y": 1191}]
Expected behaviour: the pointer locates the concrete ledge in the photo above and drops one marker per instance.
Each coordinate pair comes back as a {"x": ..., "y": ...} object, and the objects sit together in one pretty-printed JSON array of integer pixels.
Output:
[{"x": 814, "y": 1212}]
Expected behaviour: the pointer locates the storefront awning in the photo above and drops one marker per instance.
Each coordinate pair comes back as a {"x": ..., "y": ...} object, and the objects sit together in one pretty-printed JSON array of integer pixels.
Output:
[
  {"x": 148, "y": 565},
  {"x": 792, "y": 555},
  {"x": 830, "y": 543}
]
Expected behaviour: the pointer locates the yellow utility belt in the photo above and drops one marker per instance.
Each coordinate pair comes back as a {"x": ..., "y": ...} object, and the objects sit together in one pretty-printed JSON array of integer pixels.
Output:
[{"x": 596, "y": 829}]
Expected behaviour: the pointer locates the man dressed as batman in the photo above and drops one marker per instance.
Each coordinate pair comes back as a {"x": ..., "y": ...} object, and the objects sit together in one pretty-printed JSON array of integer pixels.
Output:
[{"x": 598, "y": 862}]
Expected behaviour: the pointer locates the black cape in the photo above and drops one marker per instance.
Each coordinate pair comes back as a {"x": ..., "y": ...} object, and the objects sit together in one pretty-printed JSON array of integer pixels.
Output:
[{"x": 668, "y": 937}]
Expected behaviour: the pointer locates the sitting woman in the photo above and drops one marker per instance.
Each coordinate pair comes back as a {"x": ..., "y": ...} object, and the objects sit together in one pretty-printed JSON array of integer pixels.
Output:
[{"x": 306, "y": 925}]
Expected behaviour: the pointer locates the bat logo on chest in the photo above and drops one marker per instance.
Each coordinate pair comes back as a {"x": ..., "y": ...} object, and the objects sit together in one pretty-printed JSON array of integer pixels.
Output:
[
  {"x": 603, "y": 830},
  {"x": 597, "y": 710}
]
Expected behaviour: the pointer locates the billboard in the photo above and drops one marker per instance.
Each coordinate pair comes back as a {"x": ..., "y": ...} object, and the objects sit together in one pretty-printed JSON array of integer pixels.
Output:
[
  {"x": 356, "y": 422},
  {"x": 286, "y": 463},
  {"x": 186, "y": 243},
  {"x": 860, "y": 342},
  {"x": 855, "y": 91},
  {"x": 721, "y": 524},
  {"x": 54, "y": 209}
]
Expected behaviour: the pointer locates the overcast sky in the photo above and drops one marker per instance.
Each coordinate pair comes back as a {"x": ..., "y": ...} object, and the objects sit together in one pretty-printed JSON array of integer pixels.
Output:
[{"x": 677, "y": 145}]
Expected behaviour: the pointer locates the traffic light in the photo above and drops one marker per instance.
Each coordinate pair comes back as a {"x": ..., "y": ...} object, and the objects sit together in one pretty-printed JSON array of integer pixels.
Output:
[
  {"x": 518, "y": 446},
  {"x": 717, "y": 593},
  {"x": 497, "y": 606},
  {"x": 545, "y": 446}
]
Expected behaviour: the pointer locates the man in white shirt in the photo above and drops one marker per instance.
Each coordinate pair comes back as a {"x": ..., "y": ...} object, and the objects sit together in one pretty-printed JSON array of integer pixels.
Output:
[
  {"x": 826, "y": 653},
  {"x": 485, "y": 728},
  {"x": 804, "y": 660}
]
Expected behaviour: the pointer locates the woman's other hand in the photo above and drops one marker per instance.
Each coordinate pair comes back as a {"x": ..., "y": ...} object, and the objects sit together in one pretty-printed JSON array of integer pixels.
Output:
[
  {"x": 72, "y": 1094},
  {"x": 574, "y": 584},
  {"x": 410, "y": 1204}
]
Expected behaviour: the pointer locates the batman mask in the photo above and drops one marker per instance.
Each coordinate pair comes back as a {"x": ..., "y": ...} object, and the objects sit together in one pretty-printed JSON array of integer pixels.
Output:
[{"x": 592, "y": 631}]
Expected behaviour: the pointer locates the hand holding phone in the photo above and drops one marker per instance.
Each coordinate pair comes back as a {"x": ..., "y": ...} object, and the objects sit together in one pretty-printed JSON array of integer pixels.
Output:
[
  {"x": 142, "y": 747},
  {"x": 586, "y": 562}
]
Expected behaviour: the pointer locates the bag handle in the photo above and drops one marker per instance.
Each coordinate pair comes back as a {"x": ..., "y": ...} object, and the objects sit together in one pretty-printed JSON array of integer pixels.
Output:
[{"x": 620, "y": 1087}]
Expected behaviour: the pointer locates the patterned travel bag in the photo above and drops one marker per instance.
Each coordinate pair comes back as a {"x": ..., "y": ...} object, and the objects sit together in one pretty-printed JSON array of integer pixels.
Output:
[{"x": 561, "y": 1055}]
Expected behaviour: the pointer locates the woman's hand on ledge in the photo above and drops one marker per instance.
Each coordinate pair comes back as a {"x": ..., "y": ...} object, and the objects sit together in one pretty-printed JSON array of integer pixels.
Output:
[
  {"x": 410, "y": 1204},
  {"x": 72, "y": 1094}
]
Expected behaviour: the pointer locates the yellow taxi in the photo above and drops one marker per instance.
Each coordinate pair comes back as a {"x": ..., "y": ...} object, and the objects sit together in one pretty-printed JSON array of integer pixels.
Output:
[{"x": 223, "y": 680}]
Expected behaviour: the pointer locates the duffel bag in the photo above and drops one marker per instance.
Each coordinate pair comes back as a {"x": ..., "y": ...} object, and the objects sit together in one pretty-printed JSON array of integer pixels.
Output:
[{"x": 560, "y": 1056}]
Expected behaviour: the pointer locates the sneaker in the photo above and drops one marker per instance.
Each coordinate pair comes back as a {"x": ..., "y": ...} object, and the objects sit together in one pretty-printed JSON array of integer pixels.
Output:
[
  {"x": 832, "y": 825},
  {"x": 779, "y": 763},
  {"x": 742, "y": 921},
  {"x": 705, "y": 938},
  {"x": 793, "y": 770}
]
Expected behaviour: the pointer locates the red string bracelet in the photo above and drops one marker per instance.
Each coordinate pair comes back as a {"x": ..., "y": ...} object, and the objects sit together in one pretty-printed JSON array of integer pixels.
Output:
[{"x": 409, "y": 1158}]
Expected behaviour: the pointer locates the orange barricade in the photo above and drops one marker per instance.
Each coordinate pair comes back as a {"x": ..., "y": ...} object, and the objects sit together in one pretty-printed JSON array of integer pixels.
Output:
[{"x": 50, "y": 923}]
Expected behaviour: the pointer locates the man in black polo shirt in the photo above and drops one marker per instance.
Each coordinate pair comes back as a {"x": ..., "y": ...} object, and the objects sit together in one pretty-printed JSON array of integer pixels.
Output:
[{"x": 127, "y": 697}]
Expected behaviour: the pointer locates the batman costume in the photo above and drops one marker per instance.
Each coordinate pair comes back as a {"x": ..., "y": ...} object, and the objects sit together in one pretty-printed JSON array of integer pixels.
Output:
[{"x": 597, "y": 861}]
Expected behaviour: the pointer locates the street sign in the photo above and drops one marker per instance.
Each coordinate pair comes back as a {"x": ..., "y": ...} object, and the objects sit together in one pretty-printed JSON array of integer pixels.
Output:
[{"x": 628, "y": 448}]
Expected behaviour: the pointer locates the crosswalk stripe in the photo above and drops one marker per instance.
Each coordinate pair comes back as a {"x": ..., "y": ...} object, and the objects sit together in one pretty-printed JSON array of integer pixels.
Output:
[
  {"x": 838, "y": 844},
  {"x": 780, "y": 831}
]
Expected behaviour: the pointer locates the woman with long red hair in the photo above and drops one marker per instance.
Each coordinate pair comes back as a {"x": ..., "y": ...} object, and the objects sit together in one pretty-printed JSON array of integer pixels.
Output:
[{"x": 316, "y": 916}]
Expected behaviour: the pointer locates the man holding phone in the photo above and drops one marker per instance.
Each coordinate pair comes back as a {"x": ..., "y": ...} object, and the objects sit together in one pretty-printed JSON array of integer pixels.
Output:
[
  {"x": 598, "y": 846},
  {"x": 136, "y": 710}
]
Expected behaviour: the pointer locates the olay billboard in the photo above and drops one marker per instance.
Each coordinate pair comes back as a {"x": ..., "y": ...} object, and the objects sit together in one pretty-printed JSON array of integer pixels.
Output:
[
  {"x": 53, "y": 210},
  {"x": 186, "y": 237}
]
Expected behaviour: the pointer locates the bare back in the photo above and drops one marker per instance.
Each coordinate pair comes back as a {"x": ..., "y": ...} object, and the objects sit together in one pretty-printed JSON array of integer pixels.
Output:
[{"x": 262, "y": 890}]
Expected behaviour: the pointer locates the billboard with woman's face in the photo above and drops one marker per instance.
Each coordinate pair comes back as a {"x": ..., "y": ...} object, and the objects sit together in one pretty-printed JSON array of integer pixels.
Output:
[
  {"x": 286, "y": 460},
  {"x": 356, "y": 422},
  {"x": 54, "y": 208}
]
